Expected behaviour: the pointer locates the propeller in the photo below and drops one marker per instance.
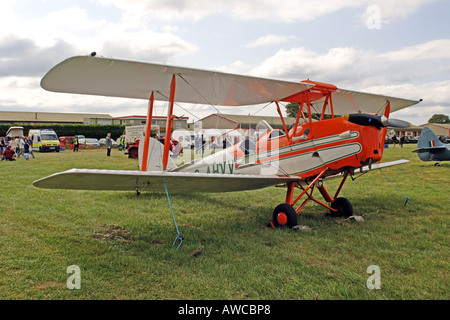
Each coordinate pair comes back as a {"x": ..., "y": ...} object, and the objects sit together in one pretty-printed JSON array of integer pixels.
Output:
[{"x": 377, "y": 121}]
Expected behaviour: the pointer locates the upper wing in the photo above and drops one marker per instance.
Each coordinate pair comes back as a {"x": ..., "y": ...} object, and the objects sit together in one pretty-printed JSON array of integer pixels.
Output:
[
  {"x": 176, "y": 182},
  {"x": 131, "y": 79},
  {"x": 348, "y": 101}
]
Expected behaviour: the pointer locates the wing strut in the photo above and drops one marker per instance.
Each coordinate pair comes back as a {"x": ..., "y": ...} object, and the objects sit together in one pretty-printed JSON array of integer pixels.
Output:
[
  {"x": 282, "y": 120},
  {"x": 148, "y": 129},
  {"x": 169, "y": 123}
]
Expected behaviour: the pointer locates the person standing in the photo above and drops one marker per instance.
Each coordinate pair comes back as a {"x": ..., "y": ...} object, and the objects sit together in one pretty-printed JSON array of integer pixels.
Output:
[
  {"x": 26, "y": 151},
  {"x": 394, "y": 140},
  {"x": 76, "y": 144},
  {"x": 402, "y": 141},
  {"x": 21, "y": 146},
  {"x": 2, "y": 145},
  {"x": 30, "y": 143},
  {"x": 108, "y": 143},
  {"x": 15, "y": 146}
]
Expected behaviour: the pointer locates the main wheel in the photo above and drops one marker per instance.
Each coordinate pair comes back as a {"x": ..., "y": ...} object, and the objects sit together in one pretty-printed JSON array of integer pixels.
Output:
[
  {"x": 133, "y": 153},
  {"x": 284, "y": 215},
  {"x": 343, "y": 206}
]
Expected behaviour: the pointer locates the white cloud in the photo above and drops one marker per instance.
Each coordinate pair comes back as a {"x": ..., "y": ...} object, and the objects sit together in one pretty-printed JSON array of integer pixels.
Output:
[
  {"x": 156, "y": 47},
  {"x": 287, "y": 11},
  {"x": 391, "y": 10},
  {"x": 237, "y": 67},
  {"x": 304, "y": 63},
  {"x": 435, "y": 49},
  {"x": 72, "y": 18},
  {"x": 32, "y": 46},
  {"x": 432, "y": 93},
  {"x": 268, "y": 40}
]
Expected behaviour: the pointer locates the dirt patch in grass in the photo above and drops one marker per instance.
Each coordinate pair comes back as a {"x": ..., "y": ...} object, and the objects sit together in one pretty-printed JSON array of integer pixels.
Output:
[
  {"x": 45, "y": 285},
  {"x": 112, "y": 232}
]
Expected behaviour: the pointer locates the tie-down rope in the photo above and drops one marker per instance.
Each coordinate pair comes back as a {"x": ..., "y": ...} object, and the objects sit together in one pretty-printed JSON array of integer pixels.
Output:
[
  {"x": 405, "y": 197},
  {"x": 178, "y": 237}
]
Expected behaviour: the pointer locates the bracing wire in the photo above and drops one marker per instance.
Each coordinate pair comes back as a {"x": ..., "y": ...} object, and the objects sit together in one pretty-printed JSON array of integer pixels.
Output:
[
  {"x": 198, "y": 92},
  {"x": 268, "y": 104},
  {"x": 178, "y": 105}
]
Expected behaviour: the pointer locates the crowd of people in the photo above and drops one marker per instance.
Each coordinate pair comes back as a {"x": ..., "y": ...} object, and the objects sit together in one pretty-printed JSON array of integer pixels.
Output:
[{"x": 16, "y": 147}]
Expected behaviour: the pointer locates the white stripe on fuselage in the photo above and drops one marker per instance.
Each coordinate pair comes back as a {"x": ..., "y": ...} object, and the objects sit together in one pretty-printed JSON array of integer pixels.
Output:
[{"x": 223, "y": 162}]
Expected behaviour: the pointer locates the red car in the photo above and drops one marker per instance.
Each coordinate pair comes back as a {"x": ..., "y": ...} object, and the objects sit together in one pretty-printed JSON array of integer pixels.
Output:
[
  {"x": 175, "y": 147},
  {"x": 67, "y": 143}
]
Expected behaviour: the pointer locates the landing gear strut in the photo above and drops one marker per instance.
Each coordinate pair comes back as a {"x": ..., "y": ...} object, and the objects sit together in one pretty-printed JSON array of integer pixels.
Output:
[{"x": 285, "y": 215}]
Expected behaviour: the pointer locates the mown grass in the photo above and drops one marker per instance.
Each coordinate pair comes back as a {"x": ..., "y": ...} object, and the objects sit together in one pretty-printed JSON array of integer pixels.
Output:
[{"x": 123, "y": 242}]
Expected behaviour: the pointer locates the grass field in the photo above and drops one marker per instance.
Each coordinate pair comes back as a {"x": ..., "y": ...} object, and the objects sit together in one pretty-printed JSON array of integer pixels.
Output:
[{"x": 122, "y": 243}]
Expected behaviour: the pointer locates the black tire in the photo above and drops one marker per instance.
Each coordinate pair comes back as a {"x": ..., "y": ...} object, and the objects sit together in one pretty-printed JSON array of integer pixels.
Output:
[
  {"x": 133, "y": 153},
  {"x": 284, "y": 215},
  {"x": 343, "y": 206}
]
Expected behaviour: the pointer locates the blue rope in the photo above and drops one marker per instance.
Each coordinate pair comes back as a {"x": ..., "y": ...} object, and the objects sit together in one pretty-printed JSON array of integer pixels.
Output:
[
  {"x": 179, "y": 237},
  {"x": 405, "y": 197}
]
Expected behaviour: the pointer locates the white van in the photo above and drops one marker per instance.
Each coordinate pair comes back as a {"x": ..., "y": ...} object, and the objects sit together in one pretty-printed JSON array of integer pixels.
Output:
[
  {"x": 15, "y": 132},
  {"x": 44, "y": 140}
]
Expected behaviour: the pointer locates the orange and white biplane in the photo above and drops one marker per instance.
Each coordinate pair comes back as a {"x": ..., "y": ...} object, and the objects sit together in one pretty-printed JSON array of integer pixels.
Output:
[{"x": 302, "y": 157}]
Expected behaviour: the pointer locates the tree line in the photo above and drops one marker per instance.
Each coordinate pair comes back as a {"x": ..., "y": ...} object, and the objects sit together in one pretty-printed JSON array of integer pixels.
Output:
[{"x": 62, "y": 130}]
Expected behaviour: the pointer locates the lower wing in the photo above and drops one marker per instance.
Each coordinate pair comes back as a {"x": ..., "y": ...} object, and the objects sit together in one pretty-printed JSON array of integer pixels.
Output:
[{"x": 176, "y": 182}]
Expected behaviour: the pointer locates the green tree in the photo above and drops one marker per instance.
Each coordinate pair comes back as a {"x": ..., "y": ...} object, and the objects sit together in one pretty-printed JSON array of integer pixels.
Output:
[
  {"x": 439, "y": 118},
  {"x": 292, "y": 111}
]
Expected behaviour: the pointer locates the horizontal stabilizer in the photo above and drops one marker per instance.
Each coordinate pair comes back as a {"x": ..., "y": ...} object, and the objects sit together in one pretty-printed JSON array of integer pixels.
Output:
[
  {"x": 431, "y": 149},
  {"x": 177, "y": 182}
]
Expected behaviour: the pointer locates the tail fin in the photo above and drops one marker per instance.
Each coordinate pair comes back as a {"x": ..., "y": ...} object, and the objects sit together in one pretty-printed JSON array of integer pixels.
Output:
[
  {"x": 155, "y": 155},
  {"x": 428, "y": 139}
]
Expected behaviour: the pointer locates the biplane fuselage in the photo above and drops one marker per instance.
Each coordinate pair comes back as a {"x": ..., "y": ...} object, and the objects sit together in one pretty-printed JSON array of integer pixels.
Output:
[{"x": 333, "y": 144}]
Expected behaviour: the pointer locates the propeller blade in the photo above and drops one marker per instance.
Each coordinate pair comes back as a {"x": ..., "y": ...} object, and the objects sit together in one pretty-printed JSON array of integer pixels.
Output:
[
  {"x": 365, "y": 119},
  {"x": 398, "y": 123}
]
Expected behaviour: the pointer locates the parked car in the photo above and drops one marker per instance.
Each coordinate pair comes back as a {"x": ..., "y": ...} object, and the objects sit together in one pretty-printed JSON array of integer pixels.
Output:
[
  {"x": 66, "y": 143},
  {"x": 102, "y": 142},
  {"x": 89, "y": 143}
]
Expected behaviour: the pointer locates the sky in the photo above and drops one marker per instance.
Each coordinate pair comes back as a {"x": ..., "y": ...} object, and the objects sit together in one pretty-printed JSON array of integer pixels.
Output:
[{"x": 399, "y": 48}]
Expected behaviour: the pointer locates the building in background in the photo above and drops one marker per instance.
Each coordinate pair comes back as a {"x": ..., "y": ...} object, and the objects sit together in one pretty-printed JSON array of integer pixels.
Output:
[
  {"x": 16, "y": 117},
  {"x": 439, "y": 129},
  {"x": 160, "y": 121},
  {"x": 411, "y": 133},
  {"x": 242, "y": 122}
]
